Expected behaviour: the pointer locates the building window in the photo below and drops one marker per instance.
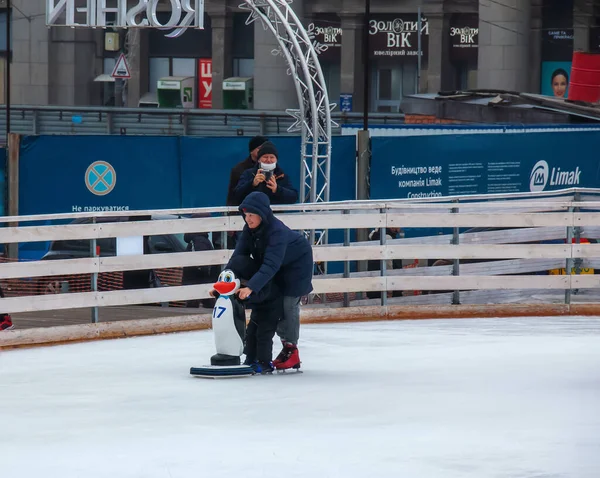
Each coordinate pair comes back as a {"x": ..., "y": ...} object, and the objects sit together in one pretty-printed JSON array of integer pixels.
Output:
[
  {"x": 391, "y": 83},
  {"x": 3, "y": 32},
  {"x": 162, "y": 67},
  {"x": 332, "y": 73},
  {"x": 183, "y": 67},
  {"x": 109, "y": 65},
  {"x": 243, "y": 67},
  {"x": 108, "y": 87},
  {"x": 242, "y": 48},
  {"x": 466, "y": 76},
  {"x": 3, "y": 55}
]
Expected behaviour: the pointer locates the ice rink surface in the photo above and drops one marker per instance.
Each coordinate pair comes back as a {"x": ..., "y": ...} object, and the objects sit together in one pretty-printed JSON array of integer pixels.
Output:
[{"x": 510, "y": 398}]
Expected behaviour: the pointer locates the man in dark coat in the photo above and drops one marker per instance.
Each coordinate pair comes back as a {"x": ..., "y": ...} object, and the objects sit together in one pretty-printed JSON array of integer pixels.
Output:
[
  {"x": 248, "y": 163},
  {"x": 267, "y": 177},
  {"x": 279, "y": 253},
  {"x": 234, "y": 178}
]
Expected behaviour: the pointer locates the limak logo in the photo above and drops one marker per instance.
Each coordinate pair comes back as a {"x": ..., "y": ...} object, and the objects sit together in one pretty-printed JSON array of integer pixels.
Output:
[{"x": 541, "y": 176}]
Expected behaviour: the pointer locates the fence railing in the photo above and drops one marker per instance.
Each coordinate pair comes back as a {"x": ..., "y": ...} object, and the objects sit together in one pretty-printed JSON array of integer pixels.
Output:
[
  {"x": 493, "y": 249},
  {"x": 34, "y": 120}
]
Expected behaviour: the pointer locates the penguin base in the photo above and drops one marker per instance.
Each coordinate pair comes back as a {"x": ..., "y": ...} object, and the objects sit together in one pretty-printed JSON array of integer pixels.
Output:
[
  {"x": 225, "y": 360},
  {"x": 217, "y": 371}
]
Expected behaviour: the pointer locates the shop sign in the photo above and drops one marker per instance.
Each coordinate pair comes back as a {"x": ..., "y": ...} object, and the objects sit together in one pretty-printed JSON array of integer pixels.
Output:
[
  {"x": 464, "y": 37},
  {"x": 205, "y": 83},
  {"x": 128, "y": 14},
  {"x": 397, "y": 36},
  {"x": 326, "y": 35}
]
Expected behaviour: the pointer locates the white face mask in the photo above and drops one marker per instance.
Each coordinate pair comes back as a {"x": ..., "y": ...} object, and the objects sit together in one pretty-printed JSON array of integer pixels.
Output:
[{"x": 268, "y": 167}]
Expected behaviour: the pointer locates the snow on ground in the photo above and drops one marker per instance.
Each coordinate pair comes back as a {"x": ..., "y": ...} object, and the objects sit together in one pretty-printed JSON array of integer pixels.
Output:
[{"x": 441, "y": 398}]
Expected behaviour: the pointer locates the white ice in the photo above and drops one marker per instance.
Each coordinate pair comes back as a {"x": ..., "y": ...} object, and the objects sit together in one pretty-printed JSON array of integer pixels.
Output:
[{"x": 514, "y": 398}]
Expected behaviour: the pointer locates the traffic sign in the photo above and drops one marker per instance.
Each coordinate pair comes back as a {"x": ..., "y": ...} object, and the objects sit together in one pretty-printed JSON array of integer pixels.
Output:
[{"x": 121, "y": 68}]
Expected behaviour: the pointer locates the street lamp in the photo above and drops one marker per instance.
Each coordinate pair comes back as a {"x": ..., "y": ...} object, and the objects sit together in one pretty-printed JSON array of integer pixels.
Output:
[
  {"x": 367, "y": 65},
  {"x": 7, "y": 80}
]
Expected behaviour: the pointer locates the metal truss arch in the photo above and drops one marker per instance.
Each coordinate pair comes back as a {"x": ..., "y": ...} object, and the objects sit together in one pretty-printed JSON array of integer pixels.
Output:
[{"x": 313, "y": 116}]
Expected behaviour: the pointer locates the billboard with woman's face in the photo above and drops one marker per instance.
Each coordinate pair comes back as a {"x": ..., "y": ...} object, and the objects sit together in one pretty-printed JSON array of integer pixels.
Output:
[
  {"x": 555, "y": 78},
  {"x": 557, "y": 47}
]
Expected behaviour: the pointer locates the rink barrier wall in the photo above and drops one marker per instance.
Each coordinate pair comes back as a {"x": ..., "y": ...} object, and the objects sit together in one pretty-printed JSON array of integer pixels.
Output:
[
  {"x": 47, "y": 336},
  {"x": 558, "y": 218}
]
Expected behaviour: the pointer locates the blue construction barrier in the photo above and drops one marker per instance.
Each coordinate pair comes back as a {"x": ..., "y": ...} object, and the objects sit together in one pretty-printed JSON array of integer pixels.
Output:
[
  {"x": 61, "y": 174},
  {"x": 3, "y": 189},
  {"x": 453, "y": 161},
  {"x": 490, "y": 162}
]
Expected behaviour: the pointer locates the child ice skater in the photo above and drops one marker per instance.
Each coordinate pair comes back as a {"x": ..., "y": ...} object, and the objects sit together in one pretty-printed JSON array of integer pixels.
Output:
[{"x": 267, "y": 311}]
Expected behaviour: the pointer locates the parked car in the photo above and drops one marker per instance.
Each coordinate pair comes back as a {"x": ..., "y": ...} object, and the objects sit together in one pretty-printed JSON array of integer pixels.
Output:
[{"x": 107, "y": 247}]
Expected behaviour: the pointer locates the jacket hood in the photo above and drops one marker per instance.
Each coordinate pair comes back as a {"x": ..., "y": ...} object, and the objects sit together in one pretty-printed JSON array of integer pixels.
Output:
[{"x": 258, "y": 203}]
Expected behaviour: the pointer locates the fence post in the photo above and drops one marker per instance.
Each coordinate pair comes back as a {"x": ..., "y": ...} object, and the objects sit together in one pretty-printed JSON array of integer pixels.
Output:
[
  {"x": 12, "y": 175},
  {"x": 34, "y": 122},
  {"x": 109, "y": 122},
  {"x": 456, "y": 262},
  {"x": 569, "y": 264},
  {"x": 224, "y": 244},
  {"x": 346, "y": 263},
  {"x": 363, "y": 165},
  {"x": 263, "y": 125},
  {"x": 383, "y": 273},
  {"x": 94, "y": 253},
  {"x": 185, "y": 124},
  {"x": 577, "y": 262}
]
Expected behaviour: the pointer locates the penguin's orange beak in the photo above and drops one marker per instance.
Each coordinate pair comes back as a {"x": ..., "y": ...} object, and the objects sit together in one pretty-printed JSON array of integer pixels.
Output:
[{"x": 224, "y": 287}]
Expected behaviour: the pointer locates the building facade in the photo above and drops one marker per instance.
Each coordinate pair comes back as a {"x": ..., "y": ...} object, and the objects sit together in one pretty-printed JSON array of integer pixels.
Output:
[{"x": 515, "y": 45}]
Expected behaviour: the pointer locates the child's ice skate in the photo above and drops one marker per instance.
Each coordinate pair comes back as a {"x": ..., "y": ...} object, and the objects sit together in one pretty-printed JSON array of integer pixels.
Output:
[
  {"x": 262, "y": 368},
  {"x": 288, "y": 358}
]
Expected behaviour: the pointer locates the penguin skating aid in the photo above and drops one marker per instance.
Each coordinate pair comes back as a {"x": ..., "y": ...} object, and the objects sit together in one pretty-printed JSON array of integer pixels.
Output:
[{"x": 229, "y": 327}]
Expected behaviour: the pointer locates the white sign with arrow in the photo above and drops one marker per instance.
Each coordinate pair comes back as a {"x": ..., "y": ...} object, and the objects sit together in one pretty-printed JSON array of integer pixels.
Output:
[{"x": 121, "y": 68}]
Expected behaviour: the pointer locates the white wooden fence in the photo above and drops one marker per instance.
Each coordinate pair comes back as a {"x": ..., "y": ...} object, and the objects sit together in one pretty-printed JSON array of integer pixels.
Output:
[{"x": 514, "y": 254}]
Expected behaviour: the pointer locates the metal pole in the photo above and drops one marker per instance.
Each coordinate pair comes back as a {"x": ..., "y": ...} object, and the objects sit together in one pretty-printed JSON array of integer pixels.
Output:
[
  {"x": 577, "y": 262},
  {"x": 383, "y": 273},
  {"x": 13, "y": 151},
  {"x": 8, "y": 55},
  {"x": 94, "y": 254},
  {"x": 420, "y": 47},
  {"x": 456, "y": 262},
  {"x": 367, "y": 65},
  {"x": 569, "y": 264},
  {"x": 346, "y": 263}
]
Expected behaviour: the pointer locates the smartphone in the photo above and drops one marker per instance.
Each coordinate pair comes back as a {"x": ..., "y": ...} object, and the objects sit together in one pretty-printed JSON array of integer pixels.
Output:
[{"x": 268, "y": 174}]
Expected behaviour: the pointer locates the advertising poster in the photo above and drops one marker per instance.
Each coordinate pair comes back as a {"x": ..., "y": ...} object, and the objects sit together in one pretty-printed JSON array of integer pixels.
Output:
[
  {"x": 494, "y": 163},
  {"x": 555, "y": 78},
  {"x": 557, "y": 47},
  {"x": 205, "y": 83}
]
